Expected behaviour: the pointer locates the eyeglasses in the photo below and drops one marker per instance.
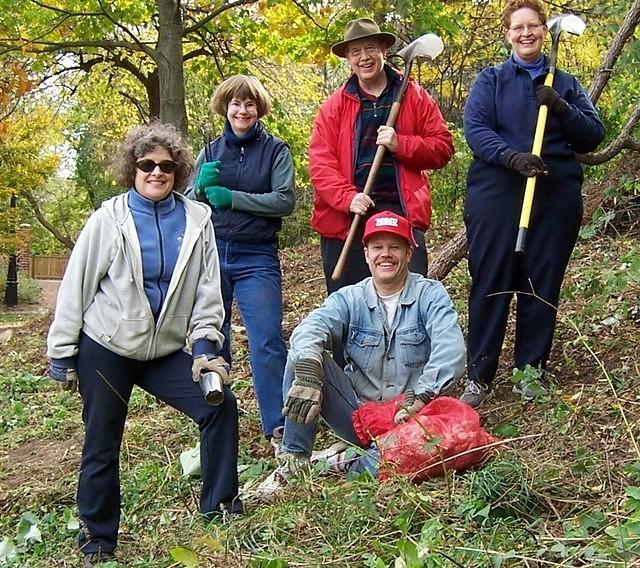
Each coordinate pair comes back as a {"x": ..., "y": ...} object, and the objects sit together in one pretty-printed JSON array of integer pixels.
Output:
[
  {"x": 166, "y": 166},
  {"x": 519, "y": 29},
  {"x": 248, "y": 105},
  {"x": 356, "y": 52}
]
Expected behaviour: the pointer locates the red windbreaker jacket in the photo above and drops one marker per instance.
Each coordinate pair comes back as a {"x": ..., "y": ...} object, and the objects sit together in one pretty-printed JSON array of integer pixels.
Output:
[{"x": 424, "y": 142}]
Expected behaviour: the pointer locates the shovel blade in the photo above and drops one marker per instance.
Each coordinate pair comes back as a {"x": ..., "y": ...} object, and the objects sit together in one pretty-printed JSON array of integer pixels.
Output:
[
  {"x": 569, "y": 23},
  {"x": 427, "y": 45}
]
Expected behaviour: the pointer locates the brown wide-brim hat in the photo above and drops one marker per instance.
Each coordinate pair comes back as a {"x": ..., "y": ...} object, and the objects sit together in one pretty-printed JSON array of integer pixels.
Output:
[{"x": 360, "y": 29}]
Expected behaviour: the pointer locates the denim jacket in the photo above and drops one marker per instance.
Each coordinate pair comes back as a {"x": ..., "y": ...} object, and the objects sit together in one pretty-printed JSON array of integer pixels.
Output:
[{"x": 423, "y": 349}]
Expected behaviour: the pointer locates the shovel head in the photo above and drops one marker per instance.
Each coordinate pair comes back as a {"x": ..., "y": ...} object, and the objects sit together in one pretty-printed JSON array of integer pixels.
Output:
[
  {"x": 569, "y": 23},
  {"x": 427, "y": 45}
]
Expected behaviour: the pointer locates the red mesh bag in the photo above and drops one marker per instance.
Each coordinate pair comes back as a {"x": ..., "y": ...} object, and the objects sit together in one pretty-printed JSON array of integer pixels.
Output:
[
  {"x": 443, "y": 435},
  {"x": 372, "y": 419}
]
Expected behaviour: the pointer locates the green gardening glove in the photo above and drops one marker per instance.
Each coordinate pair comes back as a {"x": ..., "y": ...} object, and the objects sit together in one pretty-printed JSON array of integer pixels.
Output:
[
  {"x": 304, "y": 399},
  {"x": 218, "y": 196},
  {"x": 209, "y": 175}
]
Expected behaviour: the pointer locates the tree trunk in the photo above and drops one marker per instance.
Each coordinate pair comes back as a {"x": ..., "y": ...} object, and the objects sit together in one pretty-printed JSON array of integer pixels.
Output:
[
  {"x": 169, "y": 61},
  {"x": 153, "y": 93}
]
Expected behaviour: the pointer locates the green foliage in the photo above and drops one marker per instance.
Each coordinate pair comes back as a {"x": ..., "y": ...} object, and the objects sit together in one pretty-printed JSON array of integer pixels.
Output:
[
  {"x": 500, "y": 489},
  {"x": 27, "y": 147},
  {"x": 449, "y": 184}
]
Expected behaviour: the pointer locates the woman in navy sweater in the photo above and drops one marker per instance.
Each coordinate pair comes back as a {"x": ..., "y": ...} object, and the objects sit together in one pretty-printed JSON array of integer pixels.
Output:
[
  {"x": 246, "y": 175},
  {"x": 499, "y": 123}
]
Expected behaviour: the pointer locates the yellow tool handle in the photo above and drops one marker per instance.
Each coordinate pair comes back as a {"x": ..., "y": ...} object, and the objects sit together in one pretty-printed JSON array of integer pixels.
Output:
[{"x": 530, "y": 188}]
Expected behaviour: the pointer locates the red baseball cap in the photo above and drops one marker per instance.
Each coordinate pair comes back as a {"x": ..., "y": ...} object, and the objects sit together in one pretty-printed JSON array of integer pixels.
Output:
[{"x": 388, "y": 222}]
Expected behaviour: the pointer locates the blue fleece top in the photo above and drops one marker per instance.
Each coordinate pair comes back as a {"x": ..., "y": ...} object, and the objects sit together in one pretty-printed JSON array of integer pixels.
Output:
[
  {"x": 534, "y": 69},
  {"x": 160, "y": 226}
]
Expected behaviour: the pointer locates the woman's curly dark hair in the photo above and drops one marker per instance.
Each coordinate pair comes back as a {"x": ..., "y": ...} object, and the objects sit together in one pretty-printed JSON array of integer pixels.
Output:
[{"x": 145, "y": 138}]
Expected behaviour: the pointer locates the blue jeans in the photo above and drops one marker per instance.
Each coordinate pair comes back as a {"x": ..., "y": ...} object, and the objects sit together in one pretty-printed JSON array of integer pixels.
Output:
[
  {"x": 251, "y": 273},
  {"x": 339, "y": 400}
]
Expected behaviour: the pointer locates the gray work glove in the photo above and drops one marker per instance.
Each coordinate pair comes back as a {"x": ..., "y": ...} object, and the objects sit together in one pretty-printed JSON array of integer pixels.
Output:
[
  {"x": 413, "y": 403},
  {"x": 526, "y": 164},
  {"x": 66, "y": 378},
  {"x": 203, "y": 363},
  {"x": 304, "y": 399}
]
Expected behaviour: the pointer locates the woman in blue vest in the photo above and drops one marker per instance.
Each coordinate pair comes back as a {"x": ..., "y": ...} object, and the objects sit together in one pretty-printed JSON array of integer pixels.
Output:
[
  {"x": 499, "y": 124},
  {"x": 246, "y": 175}
]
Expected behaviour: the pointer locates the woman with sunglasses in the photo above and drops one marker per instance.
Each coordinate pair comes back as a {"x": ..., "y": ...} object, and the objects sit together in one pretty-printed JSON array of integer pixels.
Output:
[
  {"x": 246, "y": 176},
  {"x": 499, "y": 123},
  {"x": 143, "y": 276}
]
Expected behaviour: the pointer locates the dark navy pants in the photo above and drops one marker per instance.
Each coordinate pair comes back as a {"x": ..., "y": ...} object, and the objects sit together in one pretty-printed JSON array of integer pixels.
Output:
[
  {"x": 106, "y": 381},
  {"x": 491, "y": 216}
]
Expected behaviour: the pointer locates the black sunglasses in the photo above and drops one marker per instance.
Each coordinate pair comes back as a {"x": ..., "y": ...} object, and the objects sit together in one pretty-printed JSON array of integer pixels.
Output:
[{"x": 147, "y": 166}]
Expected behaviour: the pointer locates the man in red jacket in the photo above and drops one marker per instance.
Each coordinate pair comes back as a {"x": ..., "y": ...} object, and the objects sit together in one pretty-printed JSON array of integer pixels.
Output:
[{"x": 348, "y": 128}]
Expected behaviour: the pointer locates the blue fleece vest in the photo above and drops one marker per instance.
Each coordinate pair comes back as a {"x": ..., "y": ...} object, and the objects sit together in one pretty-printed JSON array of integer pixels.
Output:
[{"x": 247, "y": 162}]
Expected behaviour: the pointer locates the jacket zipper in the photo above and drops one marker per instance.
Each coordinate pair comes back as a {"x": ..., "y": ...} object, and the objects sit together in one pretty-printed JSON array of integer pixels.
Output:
[{"x": 162, "y": 259}]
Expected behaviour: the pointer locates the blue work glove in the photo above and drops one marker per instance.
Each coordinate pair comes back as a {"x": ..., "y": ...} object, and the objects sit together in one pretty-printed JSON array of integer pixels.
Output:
[
  {"x": 209, "y": 175},
  {"x": 65, "y": 377},
  {"x": 550, "y": 97},
  {"x": 304, "y": 399},
  {"x": 218, "y": 196}
]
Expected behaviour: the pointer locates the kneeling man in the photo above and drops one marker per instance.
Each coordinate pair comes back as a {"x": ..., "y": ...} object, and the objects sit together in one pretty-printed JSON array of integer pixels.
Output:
[{"x": 400, "y": 334}]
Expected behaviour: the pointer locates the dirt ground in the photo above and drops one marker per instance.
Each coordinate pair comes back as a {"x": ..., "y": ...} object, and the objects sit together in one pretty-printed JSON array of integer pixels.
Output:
[{"x": 49, "y": 290}]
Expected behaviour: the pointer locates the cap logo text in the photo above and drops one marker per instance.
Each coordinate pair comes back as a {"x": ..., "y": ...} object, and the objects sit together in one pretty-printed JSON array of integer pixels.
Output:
[{"x": 386, "y": 222}]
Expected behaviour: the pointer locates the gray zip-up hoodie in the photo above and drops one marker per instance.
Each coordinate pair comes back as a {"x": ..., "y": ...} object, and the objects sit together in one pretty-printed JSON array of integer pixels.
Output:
[{"x": 102, "y": 292}]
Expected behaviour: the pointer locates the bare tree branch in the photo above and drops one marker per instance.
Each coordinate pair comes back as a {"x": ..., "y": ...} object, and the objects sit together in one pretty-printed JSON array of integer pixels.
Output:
[
  {"x": 122, "y": 27},
  {"x": 624, "y": 140},
  {"x": 64, "y": 239},
  {"x": 309, "y": 15},
  {"x": 451, "y": 253},
  {"x": 609, "y": 59},
  {"x": 53, "y": 46},
  {"x": 62, "y": 11},
  {"x": 214, "y": 14}
]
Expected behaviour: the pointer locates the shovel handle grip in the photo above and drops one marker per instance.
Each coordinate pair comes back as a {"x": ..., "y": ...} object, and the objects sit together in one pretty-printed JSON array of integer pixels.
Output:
[{"x": 521, "y": 241}]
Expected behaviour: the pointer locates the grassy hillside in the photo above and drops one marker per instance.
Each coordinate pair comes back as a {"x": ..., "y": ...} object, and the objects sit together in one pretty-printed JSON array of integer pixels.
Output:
[{"x": 563, "y": 490}]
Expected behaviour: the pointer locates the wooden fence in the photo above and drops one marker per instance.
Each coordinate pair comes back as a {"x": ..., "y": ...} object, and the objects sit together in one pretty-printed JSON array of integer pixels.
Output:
[{"x": 47, "y": 267}]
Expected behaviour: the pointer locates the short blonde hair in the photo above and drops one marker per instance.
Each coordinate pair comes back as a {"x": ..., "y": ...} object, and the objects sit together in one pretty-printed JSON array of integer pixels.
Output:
[
  {"x": 512, "y": 5},
  {"x": 240, "y": 87}
]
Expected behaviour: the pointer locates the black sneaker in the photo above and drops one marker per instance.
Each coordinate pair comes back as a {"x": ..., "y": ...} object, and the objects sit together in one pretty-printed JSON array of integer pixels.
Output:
[
  {"x": 227, "y": 510},
  {"x": 95, "y": 558}
]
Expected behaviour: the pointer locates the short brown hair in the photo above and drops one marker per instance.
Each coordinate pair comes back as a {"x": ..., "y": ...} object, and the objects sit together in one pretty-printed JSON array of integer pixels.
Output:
[
  {"x": 240, "y": 87},
  {"x": 512, "y": 5},
  {"x": 144, "y": 138}
]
